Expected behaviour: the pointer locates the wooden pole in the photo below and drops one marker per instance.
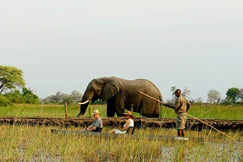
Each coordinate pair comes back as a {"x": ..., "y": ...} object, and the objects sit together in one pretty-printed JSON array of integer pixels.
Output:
[
  {"x": 209, "y": 125},
  {"x": 132, "y": 108},
  {"x": 187, "y": 115},
  {"x": 66, "y": 112},
  {"x": 89, "y": 112},
  {"x": 160, "y": 111},
  {"x": 150, "y": 97},
  {"x": 41, "y": 108}
]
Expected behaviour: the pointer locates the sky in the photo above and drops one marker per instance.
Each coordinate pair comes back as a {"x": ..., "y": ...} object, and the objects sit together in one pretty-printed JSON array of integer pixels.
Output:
[{"x": 62, "y": 45}]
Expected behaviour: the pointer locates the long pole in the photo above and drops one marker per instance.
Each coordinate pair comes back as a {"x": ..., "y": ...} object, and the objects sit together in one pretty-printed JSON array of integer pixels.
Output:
[{"x": 146, "y": 95}]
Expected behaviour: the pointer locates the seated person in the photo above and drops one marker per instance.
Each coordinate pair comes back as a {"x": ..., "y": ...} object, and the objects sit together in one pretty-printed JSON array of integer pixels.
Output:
[
  {"x": 129, "y": 123},
  {"x": 97, "y": 124}
]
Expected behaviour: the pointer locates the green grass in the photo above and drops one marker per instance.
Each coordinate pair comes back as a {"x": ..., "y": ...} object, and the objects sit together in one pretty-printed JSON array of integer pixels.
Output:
[
  {"x": 207, "y": 112},
  {"x": 210, "y": 112},
  {"x": 27, "y": 143}
]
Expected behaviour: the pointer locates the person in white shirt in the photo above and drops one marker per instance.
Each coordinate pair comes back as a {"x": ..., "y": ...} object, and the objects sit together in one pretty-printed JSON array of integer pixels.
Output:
[{"x": 129, "y": 123}]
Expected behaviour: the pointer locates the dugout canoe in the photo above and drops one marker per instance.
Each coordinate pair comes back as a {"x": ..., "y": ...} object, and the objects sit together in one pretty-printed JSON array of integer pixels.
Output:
[{"x": 134, "y": 136}]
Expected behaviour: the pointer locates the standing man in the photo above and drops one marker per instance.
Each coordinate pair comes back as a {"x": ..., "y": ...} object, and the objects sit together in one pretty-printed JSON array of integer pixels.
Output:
[
  {"x": 97, "y": 124},
  {"x": 181, "y": 108}
]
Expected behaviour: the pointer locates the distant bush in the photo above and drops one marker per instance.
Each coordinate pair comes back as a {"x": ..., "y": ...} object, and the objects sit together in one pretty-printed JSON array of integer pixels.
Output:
[
  {"x": 60, "y": 98},
  {"x": 98, "y": 102},
  {"x": 27, "y": 96},
  {"x": 4, "y": 101}
]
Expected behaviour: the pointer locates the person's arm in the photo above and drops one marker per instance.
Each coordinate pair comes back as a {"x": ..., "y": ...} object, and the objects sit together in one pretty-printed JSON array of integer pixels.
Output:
[
  {"x": 91, "y": 128},
  {"x": 85, "y": 129},
  {"x": 126, "y": 126},
  {"x": 178, "y": 106},
  {"x": 165, "y": 104}
]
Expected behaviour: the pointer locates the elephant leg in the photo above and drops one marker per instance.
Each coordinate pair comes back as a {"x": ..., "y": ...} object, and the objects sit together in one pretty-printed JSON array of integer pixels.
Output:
[
  {"x": 110, "y": 110},
  {"x": 152, "y": 112},
  {"x": 119, "y": 106},
  {"x": 119, "y": 110},
  {"x": 156, "y": 110},
  {"x": 155, "y": 113},
  {"x": 115, "y": 106}
]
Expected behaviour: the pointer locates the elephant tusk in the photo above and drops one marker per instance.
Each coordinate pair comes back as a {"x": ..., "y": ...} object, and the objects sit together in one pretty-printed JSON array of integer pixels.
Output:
[{"x": 83, "y": 103}]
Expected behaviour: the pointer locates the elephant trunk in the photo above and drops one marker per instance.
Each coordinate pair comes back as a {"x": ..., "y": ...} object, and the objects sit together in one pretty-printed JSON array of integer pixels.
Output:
[
  {"x": 83, "y": 106},
  {"x": 82, "y": 109}
]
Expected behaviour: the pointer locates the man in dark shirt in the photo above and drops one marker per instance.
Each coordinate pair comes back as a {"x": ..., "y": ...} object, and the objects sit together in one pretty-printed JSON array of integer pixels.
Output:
[{"x": 97, "y": 124}]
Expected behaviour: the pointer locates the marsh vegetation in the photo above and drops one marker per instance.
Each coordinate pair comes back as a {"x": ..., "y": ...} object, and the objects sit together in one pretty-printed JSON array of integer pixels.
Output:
[{"x": 38, "y": 143}]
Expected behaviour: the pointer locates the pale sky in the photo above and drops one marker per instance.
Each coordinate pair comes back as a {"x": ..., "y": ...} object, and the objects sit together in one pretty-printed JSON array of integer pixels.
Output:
[{"x": 61, "y": 45}]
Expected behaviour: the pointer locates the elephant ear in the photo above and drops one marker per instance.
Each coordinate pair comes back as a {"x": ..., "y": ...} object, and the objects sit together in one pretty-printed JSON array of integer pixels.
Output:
[{"x": 110, "y": 89}]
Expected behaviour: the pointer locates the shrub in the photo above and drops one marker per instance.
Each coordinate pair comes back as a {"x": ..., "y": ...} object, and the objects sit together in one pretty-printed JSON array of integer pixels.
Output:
[
  {"x": 98, "y": 102},
  {"x": 4, "y": 101},
  {"x": 27, "y": 96}
]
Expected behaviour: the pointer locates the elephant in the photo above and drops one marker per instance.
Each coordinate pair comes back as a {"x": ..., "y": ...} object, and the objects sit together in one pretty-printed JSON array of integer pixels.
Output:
[{"x": 121, "y": 94}]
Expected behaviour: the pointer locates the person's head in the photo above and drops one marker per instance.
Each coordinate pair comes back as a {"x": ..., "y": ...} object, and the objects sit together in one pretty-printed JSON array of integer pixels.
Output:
[
  {"x": 96, "y": 114},
  {"x": 177, "y": 92},
  {"x": 128, "y": 115}
]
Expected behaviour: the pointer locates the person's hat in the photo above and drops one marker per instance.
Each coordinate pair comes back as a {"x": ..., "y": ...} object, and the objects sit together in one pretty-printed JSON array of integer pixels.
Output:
[
  {"x": 128, "y": 113},
  {"x": 96, "y": 112}
]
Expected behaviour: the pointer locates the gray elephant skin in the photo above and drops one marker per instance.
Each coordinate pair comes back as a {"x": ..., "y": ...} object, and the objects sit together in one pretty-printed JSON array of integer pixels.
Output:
[{"x": 120, "y": 94}]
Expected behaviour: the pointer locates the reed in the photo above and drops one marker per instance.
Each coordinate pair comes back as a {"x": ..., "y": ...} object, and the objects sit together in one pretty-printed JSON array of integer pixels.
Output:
[{"x": 33, "y": 143}]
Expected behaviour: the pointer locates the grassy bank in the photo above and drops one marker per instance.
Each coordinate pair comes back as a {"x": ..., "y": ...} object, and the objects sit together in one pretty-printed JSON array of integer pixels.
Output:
[
  {"x": 208, "y": 111},
  {"x": 39, "y": 144}
]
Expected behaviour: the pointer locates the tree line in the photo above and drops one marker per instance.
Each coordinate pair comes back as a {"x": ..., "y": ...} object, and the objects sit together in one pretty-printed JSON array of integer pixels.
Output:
[
  {"x": 233, "y": 96},
  {"x": 13, "y": 90},
  {"x": 61, "y": 98}
]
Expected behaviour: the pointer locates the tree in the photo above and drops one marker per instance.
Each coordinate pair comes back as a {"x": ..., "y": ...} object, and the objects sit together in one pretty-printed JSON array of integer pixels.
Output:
[
  {"x": 27, "y": 96},
  {"x": 76, "y": 95},
  {"x": 172, "y": 101},
  {"x": 186, "y": 92},
  {"x": 4, "y": 101},
  {"x": 213, "y": 96},
  {"x": 67, "y": 98},
  {"x": 241, "y": 94},
  {"x": 55, "y": 99},
  {"x": 10, "y": 78},
  {"x": 199, "y": 100},
  {"x": 60, "y": 98},
  {"x": 233, "y": 94},
  {"x": 173, "y": 89}
]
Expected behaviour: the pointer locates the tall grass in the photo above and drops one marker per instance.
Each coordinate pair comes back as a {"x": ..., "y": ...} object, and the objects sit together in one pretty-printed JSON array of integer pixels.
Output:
[
  {"x": 207, "y": 112},
  {"x": 26, "y": 143}
]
